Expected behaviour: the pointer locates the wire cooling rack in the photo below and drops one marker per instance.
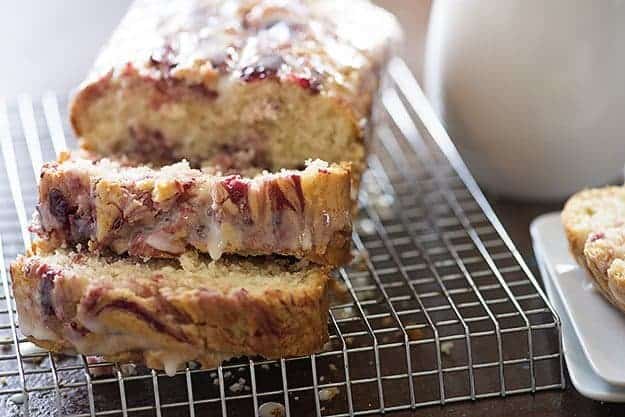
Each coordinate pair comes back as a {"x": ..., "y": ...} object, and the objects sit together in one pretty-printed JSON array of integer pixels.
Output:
[{"x": 442, "y": 307}]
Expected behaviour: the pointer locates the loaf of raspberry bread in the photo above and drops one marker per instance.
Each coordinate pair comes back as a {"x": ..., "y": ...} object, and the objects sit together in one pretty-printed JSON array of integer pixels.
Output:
[
  {"x": 594, "y": 221},
  {"x": 237, "y": 83},
  {"x": 163, "y": 212},
  {"x": 166, "y": 312}
]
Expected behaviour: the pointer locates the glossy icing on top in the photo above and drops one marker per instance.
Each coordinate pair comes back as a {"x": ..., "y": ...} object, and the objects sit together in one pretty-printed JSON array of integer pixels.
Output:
[
  {"x": 326, "y": 46},
  {"x": 160, "y": 213}
]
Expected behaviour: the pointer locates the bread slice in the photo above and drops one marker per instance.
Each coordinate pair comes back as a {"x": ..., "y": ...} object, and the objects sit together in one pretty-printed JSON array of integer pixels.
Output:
[
  {"x": 593, "y": 210},
  {"x": 604, "y": 249},
  {"x": 161, "y": 213},
  {"x": 240, "y": 83},
  {"x": 595, "y": 228},
  {"x": 164, "y": 313},
  {"x": 616, "y": 283}
]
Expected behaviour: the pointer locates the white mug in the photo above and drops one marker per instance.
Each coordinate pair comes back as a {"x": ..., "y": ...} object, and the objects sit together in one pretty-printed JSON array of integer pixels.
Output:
[{"x": 532, "y": 92}]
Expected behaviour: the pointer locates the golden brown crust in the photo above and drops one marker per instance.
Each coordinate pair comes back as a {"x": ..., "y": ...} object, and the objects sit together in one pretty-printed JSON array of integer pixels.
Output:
[
  {"x": 616, "y": 282},
  {"x": 166, "y": 314},
  {"x": 603, "y": 251},
  {"x": 160, "y": 213}
]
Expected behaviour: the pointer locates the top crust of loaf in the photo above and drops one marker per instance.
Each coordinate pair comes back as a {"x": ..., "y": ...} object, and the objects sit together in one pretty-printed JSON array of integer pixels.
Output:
[
  {"x": 325, "y": 46},
  {"x": 237, "y": 84}
]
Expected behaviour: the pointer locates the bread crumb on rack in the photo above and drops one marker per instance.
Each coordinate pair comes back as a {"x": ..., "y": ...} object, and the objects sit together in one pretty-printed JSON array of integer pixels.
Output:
[
  {"x": 446, "y": 348},
  {"x": 366, "y": 227},
  {"x": 19, "y": 398},
  {"x": 271, "y": 409},
  {"x": 328, "y": 394},
  {"x": 359, "y": 259}
]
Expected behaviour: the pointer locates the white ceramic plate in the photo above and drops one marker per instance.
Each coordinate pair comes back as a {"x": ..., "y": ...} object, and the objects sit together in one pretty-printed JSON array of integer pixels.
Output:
[
  {"x": 598, "y": 328},
  {"x": 583, "y": 377}
]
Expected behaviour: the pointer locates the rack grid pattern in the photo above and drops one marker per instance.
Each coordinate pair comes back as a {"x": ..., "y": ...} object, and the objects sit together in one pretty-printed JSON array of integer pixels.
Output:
[{"x": 441, "y": 306}]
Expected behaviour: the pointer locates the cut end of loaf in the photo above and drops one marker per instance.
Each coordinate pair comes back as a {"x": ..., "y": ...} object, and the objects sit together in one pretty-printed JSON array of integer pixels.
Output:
[
  {"x": 159, "y": 311},
  {"x": 264, "y": 125},
  {"x": 162, "y": 212}
]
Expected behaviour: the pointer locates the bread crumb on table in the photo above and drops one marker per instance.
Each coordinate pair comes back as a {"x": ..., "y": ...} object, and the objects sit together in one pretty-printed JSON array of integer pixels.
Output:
[
  {"x": 271, "y": 409},
  {"x": 236, "y": 387},
  {"x": 446, "y": 348},
  {"x": 19, "y": 398},
  {"x": 366, "y": 227},
  {"x": 384, "y": 206},
  {"x": 328, "y": 394},
  {"x": 29, "y": 348},
  {"x": 5, "y": 343}
]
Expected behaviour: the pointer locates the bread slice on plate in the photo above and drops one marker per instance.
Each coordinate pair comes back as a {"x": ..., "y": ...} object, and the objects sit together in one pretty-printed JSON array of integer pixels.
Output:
[
  {"x": 163, "y": 212},
  {"x": 604, "y": 252},
  {"x": 594, "y": 222},
  {"x": 262, "y": 83},
  {"x": 592, "y": 210},
  {"x": 616, "y": 283},
  {"x": 166, "y": 312}
]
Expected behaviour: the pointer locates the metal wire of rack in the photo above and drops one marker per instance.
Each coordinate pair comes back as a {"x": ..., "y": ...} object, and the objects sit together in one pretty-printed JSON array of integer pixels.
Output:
[{"x": 443, "y": 308}]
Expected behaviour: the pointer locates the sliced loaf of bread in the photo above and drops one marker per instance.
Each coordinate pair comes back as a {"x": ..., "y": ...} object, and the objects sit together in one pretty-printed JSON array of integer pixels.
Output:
[
  {"x": 238, "y": 83},
  {"x": 166, "y": 312}
]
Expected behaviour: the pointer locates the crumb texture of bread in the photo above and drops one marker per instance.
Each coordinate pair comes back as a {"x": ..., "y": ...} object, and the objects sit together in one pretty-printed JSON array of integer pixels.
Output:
[
  {"x": 595, "y": 228},
  {"x": 163, "y": 212},
  {"x": 237, "y": 83},
  {"x": 589, "y": 211},
  {"x": 165, "y": 312}
]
